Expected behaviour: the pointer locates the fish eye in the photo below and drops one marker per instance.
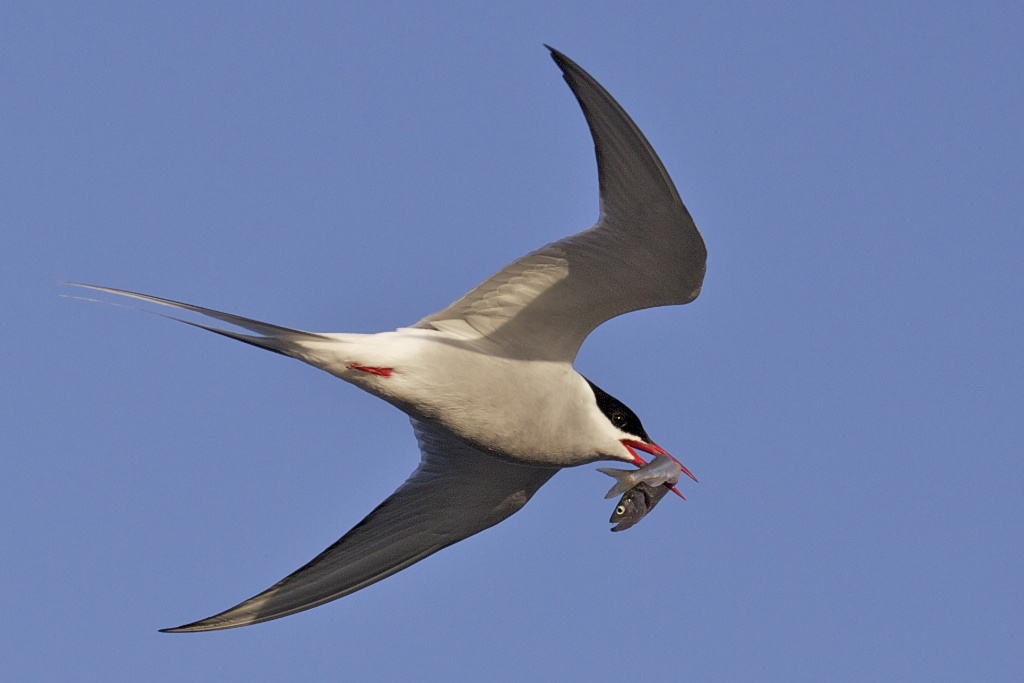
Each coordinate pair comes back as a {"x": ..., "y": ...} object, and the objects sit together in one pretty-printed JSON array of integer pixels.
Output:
[{"x": 620, "y": 510}]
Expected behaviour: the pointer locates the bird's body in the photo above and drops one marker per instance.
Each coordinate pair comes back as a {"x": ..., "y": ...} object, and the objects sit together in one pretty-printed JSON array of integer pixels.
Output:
[
  {"x": 431, "y": 376},
  {"x": 488, "y": 382}
]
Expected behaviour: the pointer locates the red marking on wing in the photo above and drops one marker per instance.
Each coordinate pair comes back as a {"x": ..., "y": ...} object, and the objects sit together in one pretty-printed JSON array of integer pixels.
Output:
[{"x": 383, "y": 372}]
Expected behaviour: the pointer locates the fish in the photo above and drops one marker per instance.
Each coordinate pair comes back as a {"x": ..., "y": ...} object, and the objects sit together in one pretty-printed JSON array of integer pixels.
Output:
[
  {"x": 662, "y": 470},
  {"x": 636, "y": 503}
]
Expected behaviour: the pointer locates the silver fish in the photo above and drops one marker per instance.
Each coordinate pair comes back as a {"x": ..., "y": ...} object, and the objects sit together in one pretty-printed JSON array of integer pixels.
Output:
[
  {"x": 661, "y": 470},
  {"x": 636, "y": 503}
]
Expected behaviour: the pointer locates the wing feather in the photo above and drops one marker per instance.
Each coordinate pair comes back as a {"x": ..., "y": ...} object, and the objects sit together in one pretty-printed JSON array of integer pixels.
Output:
[
  {"x": 455, "y": 492},
  {"x": 644, "y": 250}
]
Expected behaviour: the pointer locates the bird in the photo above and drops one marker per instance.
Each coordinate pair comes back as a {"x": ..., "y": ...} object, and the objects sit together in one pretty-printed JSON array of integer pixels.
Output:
[{"x": 488, "y": 383}]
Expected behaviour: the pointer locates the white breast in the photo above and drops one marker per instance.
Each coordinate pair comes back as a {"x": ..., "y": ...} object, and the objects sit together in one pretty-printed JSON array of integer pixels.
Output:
[{"x": 538, "y": 412}]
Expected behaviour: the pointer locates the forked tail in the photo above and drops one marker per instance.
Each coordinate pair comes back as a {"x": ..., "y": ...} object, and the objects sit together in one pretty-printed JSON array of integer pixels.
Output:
[{"x": 283, "y": 340}]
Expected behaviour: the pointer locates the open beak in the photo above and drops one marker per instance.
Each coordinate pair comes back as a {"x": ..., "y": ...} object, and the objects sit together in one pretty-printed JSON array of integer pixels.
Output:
[{"x": 654, "y": 449}]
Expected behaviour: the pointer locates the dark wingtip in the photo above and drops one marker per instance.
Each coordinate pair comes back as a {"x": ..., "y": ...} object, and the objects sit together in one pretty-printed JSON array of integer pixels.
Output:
[
  {"x": 197, "y": 627},
  {"x": 214, "y": 623},
  {"x": 563, "y": 62},
  {"x": 187, "y": 628}
]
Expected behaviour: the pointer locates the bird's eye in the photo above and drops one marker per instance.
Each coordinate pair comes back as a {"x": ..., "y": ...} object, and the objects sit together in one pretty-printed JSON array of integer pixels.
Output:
[
  {"x": 621, "y": 510},
  {"x": 619, "y": 420}
]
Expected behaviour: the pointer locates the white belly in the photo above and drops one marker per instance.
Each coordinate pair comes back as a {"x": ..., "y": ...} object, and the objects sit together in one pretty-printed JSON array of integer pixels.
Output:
[{"x": 529, "y": 411}]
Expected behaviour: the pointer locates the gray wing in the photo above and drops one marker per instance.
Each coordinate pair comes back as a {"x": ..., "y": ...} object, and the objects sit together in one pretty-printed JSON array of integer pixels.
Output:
[
  {"x": 644, "y": 251},
  {"x": 455, "y": 492}
]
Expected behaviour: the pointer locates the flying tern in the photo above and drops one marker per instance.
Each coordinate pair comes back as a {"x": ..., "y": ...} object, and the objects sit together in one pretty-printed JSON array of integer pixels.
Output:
[{"x": 488, "y": 382}]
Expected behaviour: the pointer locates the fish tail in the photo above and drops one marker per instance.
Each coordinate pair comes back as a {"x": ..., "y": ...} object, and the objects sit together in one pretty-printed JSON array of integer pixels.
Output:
[{"x": 623, "y": 480}]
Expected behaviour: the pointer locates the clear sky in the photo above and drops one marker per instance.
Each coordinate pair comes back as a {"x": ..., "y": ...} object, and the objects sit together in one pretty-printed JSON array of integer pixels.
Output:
[{"x": 848, "y": 388}]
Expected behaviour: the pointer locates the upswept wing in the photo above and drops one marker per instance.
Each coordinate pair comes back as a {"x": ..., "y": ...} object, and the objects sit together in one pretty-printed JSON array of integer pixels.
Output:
[
  {"x": 455, "y": 492},
  {"x": 644, "y": 251}
]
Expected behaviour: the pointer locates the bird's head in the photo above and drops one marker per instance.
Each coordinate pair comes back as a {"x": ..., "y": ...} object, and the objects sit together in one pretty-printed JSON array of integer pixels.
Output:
[{"x": 630, "y": 432}]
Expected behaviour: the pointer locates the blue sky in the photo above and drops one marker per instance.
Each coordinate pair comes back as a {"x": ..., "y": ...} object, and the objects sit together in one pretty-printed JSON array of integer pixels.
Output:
[{"x": 848, "y": 387}]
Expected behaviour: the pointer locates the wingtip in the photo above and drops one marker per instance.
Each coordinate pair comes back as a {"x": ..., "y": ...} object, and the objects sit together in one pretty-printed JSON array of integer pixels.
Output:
[
  {"x": 563, "y": 62},
  {"x": 217, "y": 622},
  {"x": 184, "y": 628},
  {"x": 209, "y": 624},
  {"x": 193, "y": 627}
]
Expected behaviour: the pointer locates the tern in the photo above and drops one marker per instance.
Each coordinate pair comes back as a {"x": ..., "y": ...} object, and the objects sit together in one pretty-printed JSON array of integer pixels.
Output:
[{"x": 488, "y": 383}]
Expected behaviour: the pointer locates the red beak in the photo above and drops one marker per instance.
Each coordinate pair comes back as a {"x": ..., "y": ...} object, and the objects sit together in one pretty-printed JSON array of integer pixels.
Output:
[{"x": 654, "y": 449}]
